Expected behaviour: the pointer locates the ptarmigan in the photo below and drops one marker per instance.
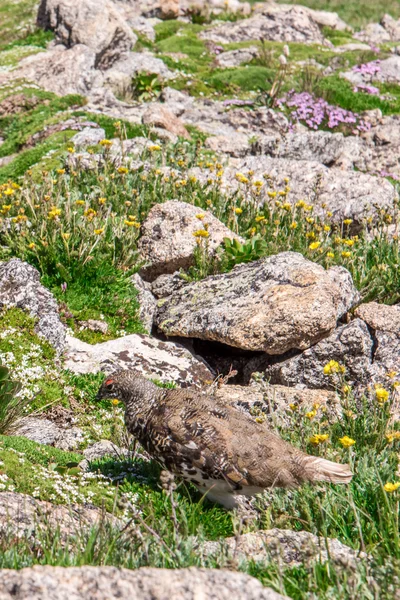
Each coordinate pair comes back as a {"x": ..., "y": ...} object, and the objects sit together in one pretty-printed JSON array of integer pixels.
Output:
[{"x": 221, "y": 450}]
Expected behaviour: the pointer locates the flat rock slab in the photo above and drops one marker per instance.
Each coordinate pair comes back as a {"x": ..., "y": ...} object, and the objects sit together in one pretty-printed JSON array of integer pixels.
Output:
[
  {"x": 107, "y": 583},
  {"x": 165, "y": 361},
  {"x": 293, "y": 548},
  {"x": 273, "y": 305},
  {"x": 168, "y": 241},
  {"x": 44, "y": 431},
  {"x": 22, "y": 515}
]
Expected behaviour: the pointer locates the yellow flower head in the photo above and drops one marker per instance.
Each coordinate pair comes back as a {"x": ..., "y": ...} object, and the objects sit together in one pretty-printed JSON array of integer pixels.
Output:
[
  {"x": 238, "y": 211},
  {"x": 115, "y": 402},
  {"x": 71, "y": 150},
  {"x": 391, "y": 487},
  {"x": 99, "y": 231},
  {"x": 287, "y": 206},
  {"x": 54, "y": 213},
  {"x": 319, "y": 439},
  {"x": 61, "y": 171},
  {"x": 382, "y": 395},
  {"x": 333, "y": 367},
  {"x": 8, "y": 191},
  {"x": 330, "y": 255},
  {"x": 66, "y": 236},
  {"x": 347, "y": 221},
  {"x": 242, "y": 178},
  {"x": 154, "y": 148},
  {"x": 327, "y": 228},
  {"x": 293, "y": 225},
  {"x": 314, "y": 245},
  {"x": 106, "y": 143},
  {"x": 90, "y": 213},
  {"x": 123, "y": 170},
  {"x": 201, "y": 233},
  {"x": 293, "y": 406},
  {"x": 260, "y": 218},
  {"x": 102, "y": 200},
  {"x": 347, "y": 441},
  {"x": 311, "y": 414},
  {"x": 31, "y": 246},
  {"x": 346, "y": 254},
  {"x": 271, "y": 194},
  {"x": 300, "y": 204},
  {"x": 80, "y": 203},
  {"x": 200, "y": 216}
]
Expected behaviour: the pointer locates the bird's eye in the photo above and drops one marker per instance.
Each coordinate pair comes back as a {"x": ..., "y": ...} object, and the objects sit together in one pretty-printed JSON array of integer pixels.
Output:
[{"x": 109, "y": 383}]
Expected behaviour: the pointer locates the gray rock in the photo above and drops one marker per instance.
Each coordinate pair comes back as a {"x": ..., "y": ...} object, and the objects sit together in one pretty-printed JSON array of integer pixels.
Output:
[
  {"x": 165, "y": 285},
  {"x": 20, "y": 286},
  {"x": 95, "y": 23},
  {"x": 168, "y": 242},
  {"x": 144, "y": 27},
  {"x": 389, "y": 72},
  {"x": 292, "y": 548},
  {"x": 61, "y": 71},
  {"x": 44, "y": 431},
  {"x": 276, "y": 304},
  {"x": 23, "y": 516},
  {"x": 146, "y": 300},
  {"x": 279, "y": 25},
  {"x": 374, "y": 33},
  {"x": 88, "y": 137},
  {"x": 104, "y": 448},
  {"x": 384, "y": 323},
  {"x": 261, "y": 399},
  {"x": 165, "y": 361},
  {"x": 107, "y": 583},
  {"x": 120, "y": 76},
  {"x": 235, "y": 58},
  {"x": 357, "y": 196},
  {"x": 350, "y": 345},
  {"x": 235, "y": 144}
]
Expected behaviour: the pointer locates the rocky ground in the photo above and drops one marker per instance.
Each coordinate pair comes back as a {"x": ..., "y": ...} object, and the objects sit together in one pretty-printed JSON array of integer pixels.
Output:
[{"x": 207, "y": 193}]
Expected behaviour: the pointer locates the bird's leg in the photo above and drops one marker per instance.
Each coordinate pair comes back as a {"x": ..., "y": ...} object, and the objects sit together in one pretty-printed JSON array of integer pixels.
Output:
[{"x": 169, "y": 486}]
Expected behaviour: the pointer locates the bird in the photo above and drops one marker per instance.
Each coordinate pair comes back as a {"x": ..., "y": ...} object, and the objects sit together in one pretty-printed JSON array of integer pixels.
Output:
[{"x": 224, "y": 452}]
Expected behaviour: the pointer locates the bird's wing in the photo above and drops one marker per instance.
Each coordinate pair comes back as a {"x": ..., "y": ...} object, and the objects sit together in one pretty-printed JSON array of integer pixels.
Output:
[{"x": 216, "y": 439}]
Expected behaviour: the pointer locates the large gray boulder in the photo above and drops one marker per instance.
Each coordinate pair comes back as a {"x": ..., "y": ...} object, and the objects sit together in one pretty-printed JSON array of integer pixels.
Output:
[
  {"x": 290, "y": 24},
  {"x": 273, "y": 305},
  {"x": 165, "y": 361},
  {"x": 348, "y": 195},
  {"x": 95, "y": 23},
  {"x": 350, "y": 345},
  {"x": 62, "y": 71},
  {"x": 109, "y": 583},
  {"x": 168, "y": 242},
  {"x": 44, "y": 431},
  {"x": 24, "y": 516},
  {"x": 20, "y": 287},
  {"x": 293, "y": 548}
]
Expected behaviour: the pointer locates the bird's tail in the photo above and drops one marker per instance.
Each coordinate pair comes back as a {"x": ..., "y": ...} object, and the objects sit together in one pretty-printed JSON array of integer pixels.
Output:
[{"x": 319, "y": 469}]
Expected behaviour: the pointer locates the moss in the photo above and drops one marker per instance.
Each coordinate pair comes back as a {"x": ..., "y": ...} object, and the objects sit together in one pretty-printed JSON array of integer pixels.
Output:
[
  {"x": 16, "y": 18},
  {"x": 11, "y": 57},
  {"x": 131, "y": 130}
]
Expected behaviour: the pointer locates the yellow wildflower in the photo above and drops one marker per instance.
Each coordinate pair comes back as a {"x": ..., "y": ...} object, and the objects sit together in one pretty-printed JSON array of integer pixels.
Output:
[
  {"x": 201, "y": 233},
  {"x": 66, "y": 236},
  {"x": 330, "y": 255},
  {"x": 327, "y": 228},
  {"x": 287, "y": 206},
  {"x": 260, "y": 218},
  {"x": 310, "y": 220},
  {"x": 54, "y": 213},
  {"x": 258, "y": 184},
  {"x": 115, "y": 402},
  {"x": 61, "y": 171},
  {"x": 346, "y": 254},
  {"x": 99, "y": 231},
  {"x": 90, "y": 213},
  {"x": 106, "y": 143},
  {"x": 348, "y": 242},
  {"x": 381, "y": 394},
  {"x": 314, "y": 245},
  {"x": 311, "y": 414},
  {"x": 102, "y": 200},
  {"x": 329, "y": 214},
  {"x": 242, "y": 178},
  {"x": 333, "y": 367},
  {"x": 300, "y": 204},
  {"x": 318, "y": 439},
  {"x": 293, "y": 225},
  {"x": 347, "y": 441},
  {"x": 123, "y": 170},
  {"x": 293, "y": 407},
  {"x": 80, "y": 202},
  {"x": 391, "y": 487},
  {"x": 6, "y": 207},
  {"x": 31, "y": 246},
  {"x": 271, "y": 194},
  {"x": 71, "y": 150},
  {"x": 347, "y": 221},
  {"x": 200, "y": 216},
  {"x": 8, "y": 191},
  {"x": 238, "y": 211}
]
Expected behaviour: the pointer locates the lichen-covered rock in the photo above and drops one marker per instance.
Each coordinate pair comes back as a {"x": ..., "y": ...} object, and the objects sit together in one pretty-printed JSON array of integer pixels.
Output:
[
  {"x": 119, "y": 76},
  {"x": 106, "y": 583},
  {"x": 95, "y": 23},
  {"x": 346, "y": 194},
  {"x": 165, "y": 361},
  {"x": 293, "y": 24},
  {"x": 44, "y": 431},
  {"x": 351, "y": 345},
  {"x": 235, "y": 58},
  {"x": 165, "y": 285},
  {"x": 146, "y": 301},
  {"x": 274, "y": 401},
  {"x": 293, "y": 548},
  {"x": 20, "y": 287},
  {"x": 384, "y": 323},
  {"x": 23, "y": 516},
  {"x": 88, "y": 137},
  {"x": 273, "y": 305},
  {"x": 159, "y": 116},
  {"x": 168, "y": 242},
  {"x": 62, "y": 71}
]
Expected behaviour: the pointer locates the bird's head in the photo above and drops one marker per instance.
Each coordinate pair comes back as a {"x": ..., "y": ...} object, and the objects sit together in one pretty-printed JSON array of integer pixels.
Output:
[{"x": 130, "y": 387}]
